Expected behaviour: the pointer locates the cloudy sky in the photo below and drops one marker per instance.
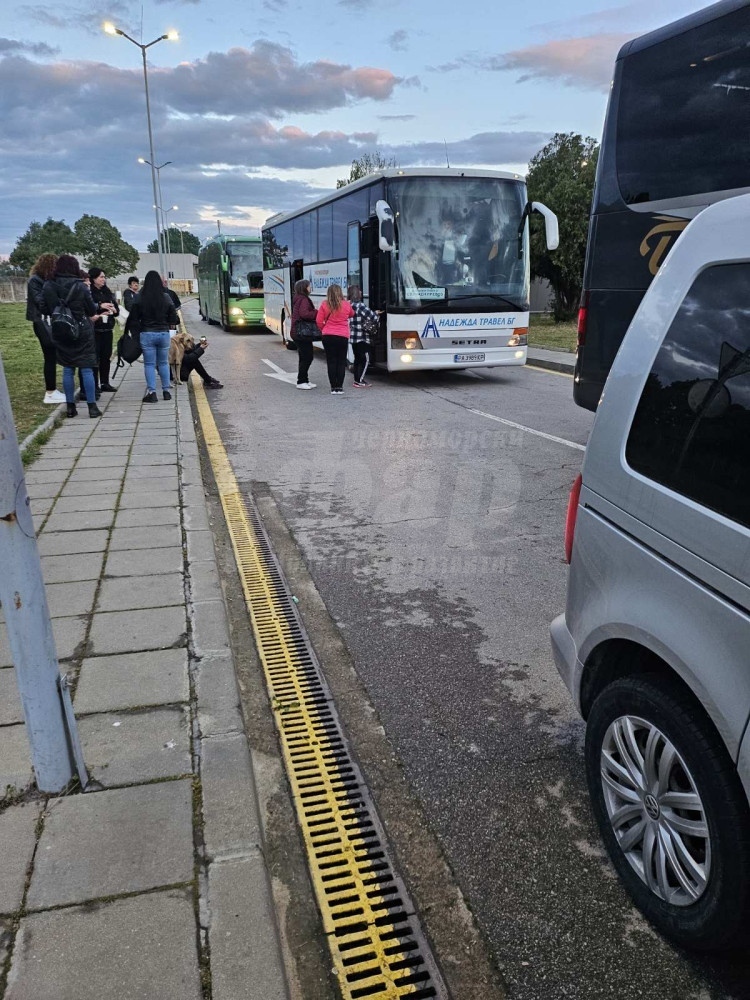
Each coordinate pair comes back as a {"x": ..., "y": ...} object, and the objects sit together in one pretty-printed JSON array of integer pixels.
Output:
[{"x": 262, "y": 104}]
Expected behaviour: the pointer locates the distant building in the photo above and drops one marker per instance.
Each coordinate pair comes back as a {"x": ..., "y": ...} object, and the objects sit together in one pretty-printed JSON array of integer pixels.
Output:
[{"x": 179, "y": 270}]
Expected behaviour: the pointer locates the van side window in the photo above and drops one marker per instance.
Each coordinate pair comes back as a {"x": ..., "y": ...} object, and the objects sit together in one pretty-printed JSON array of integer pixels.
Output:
[{"x": 691, "y": 431}]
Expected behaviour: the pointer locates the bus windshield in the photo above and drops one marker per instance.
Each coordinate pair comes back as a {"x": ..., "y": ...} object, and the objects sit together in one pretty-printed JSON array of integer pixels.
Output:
[
  {"x": 457, "y": 238},
  {"x": 245, "y": 268}
]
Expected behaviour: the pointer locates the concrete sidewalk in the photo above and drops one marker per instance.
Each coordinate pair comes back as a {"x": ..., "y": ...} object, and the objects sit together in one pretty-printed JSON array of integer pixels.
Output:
[
  {"x": 152, "y": 884},
  {"x": 556, "y": 361}
]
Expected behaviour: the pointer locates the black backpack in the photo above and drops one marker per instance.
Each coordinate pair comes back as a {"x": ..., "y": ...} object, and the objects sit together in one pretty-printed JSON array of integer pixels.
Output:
[{"x": 65, "y": 326}]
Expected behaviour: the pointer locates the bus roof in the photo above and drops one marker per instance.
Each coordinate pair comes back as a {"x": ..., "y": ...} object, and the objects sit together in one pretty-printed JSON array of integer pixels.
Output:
[
  {"x": 683, "y": 24},
  {"x": 229, "y": 238},
  {"x": 390, "y": 172}
]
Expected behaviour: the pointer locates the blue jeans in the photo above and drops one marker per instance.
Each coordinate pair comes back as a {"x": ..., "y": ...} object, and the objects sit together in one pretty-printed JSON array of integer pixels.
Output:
[
  {"x": 69, "y": 384},
  {"x": 155, "y": 345}
]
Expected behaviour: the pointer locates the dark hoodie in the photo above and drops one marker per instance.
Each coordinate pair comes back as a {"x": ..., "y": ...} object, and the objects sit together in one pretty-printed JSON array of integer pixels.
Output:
[{"x": 81, "y": 354}]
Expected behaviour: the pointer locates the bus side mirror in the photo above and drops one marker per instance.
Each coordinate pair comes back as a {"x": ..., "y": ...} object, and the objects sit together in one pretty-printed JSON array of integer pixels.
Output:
[
  {"x": 551, "y": 228},
  {"x": 224, "y": 262},
  {"x": 386, "y": 227}
]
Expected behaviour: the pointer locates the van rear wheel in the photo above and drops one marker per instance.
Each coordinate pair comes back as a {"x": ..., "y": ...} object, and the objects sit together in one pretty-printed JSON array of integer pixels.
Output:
[{"x": 671, "y": 810}]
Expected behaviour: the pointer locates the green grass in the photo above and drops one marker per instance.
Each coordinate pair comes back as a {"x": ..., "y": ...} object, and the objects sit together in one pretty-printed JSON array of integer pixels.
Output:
[
  {"x": 23, "y": 362},
  {"x": 544, "y": 332}
]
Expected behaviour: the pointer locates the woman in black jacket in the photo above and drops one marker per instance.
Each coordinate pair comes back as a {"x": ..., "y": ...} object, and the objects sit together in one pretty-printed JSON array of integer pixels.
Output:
[
  {"x": 43, "y": 270},
  {"x": 154, "y": 314},
  {"x": 66, "y": 286},
  {"x": 105, "y": 325}
]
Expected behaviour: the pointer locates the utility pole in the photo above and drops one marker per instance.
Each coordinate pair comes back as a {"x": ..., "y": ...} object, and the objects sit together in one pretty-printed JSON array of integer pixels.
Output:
[{"x": 27, "y": 619}]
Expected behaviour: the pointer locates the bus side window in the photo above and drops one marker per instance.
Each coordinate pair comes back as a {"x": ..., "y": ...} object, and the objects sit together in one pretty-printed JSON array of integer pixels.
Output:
[{"x": 353, "y": 257}]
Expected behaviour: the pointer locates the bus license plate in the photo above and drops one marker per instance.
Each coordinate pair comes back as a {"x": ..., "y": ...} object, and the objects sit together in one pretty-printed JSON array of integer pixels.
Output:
[{"x": 467, "y": 357}]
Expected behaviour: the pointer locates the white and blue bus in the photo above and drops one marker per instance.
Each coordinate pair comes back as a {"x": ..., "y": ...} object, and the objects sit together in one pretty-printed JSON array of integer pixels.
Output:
[{"x": 444, "y": 253}]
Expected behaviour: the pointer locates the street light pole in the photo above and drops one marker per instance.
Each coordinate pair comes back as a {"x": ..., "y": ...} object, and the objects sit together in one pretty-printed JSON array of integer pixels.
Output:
[
  {"x": 161, "y": 239},
  {"x": 170, "y": 36}
]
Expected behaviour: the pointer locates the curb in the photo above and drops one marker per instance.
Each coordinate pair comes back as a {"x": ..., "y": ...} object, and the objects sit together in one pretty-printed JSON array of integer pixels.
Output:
[
  {"x": 550, "y": 363},
  {"x": 48, "y": 423}
]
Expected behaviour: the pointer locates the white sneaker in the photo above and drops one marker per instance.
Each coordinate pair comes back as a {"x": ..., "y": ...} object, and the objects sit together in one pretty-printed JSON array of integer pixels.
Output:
[
  {"x": 306, "y": 385},
  {"x": 54, "y": 397}
]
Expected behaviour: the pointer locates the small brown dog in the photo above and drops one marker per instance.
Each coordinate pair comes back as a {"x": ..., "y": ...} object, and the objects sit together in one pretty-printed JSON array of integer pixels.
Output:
[{"x": 179, "y": 343}]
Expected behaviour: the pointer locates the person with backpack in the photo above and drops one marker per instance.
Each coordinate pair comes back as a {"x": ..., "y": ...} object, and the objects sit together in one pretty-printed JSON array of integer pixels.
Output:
[
  {"x": 363, "y": 326},
  {"x": 333, "y": 322},
  {"x": 130, "y": 292},
  {"x": 154, "y": 314},
  {"x": 71, "y": 309},
  {"x": 43, "y": 269},
  {"x": 103, "y": 327},
  {"x": 304, "y": 331}
]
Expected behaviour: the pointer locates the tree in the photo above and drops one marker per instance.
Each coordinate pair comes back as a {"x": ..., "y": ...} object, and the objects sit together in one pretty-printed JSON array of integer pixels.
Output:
[
  {"x": 174, "y": 239},
  {"x": 562, "y": 176},
  {"x": 53, "y": 236},
  {"x": 368, "y": 163},
  {"x": 101, "y": 245}
]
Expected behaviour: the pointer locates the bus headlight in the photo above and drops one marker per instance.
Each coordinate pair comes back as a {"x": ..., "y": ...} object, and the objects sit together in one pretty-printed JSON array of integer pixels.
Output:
[
  {"x": 520, "y": 337},
  {"x": 406, "y": 340},
  {"x": 235, "y": 311}
]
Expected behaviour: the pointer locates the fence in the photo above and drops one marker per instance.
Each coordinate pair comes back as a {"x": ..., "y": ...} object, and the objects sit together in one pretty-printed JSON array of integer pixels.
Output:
[{"x": 14, "y": 289}]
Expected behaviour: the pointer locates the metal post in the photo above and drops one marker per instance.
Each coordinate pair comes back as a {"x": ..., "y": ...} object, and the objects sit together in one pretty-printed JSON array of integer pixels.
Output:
[
  {"x": 27, "y": 619},
  {"x": 151, "y": 150},
  {"x": 182, "y": 250}
]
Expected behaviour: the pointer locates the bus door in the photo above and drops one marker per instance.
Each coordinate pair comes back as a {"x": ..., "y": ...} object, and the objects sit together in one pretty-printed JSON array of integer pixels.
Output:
[{"x": 377, "y": 282}]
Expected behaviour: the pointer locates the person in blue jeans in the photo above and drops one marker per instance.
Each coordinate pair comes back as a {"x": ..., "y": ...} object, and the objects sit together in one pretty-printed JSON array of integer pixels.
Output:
[{"x": 154, "y": 313}]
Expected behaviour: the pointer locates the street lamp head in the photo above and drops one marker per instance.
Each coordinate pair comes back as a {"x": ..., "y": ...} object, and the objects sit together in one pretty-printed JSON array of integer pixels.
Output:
[
  {"x": 172, "y": 35},
  {"x": 141, "y": 159},
  {"x": 109, "y": 28}
]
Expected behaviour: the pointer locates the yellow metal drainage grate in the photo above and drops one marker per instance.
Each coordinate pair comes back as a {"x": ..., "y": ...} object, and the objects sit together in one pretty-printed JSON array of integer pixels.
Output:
[{"x": 376, "y": 943}]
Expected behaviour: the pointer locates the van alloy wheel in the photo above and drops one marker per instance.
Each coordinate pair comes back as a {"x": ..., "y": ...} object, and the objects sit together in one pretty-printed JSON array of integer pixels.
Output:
[{"x": 656, "y": 811}]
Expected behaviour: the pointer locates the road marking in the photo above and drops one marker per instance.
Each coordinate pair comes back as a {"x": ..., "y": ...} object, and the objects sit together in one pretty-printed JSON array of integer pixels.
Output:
[
  {"x": 529, "y": 430},
  {"x": 548, "y": 371},
  {"x": 279, "y": 373},
  {"x": 375, "y": 940}
]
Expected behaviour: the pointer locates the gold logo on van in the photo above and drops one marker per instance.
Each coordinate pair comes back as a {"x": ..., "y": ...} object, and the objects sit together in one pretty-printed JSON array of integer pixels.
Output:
[{"x": 664, "y": 235}]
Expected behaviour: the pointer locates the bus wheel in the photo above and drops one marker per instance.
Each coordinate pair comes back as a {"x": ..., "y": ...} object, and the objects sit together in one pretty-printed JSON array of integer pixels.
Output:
[{"x": 226, "y": 327}]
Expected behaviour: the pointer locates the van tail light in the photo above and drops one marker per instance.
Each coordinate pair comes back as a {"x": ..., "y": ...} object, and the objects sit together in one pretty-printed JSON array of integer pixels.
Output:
[
  {"x": 570, "y": 517},
  {"x": 583, "y": 319}
]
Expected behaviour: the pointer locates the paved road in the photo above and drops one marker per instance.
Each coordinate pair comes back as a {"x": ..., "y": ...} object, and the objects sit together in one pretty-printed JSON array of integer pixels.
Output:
[{"x": 433, "y": 532}]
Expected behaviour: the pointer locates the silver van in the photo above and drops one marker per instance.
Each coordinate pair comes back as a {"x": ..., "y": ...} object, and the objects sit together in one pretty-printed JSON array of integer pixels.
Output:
[{"x": 654, "y": 645}]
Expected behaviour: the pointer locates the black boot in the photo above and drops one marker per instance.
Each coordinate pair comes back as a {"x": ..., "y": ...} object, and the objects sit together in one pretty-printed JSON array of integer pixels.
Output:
[
  {"x": 72, "y": 411},
  {"x": 94, "y": 410}
]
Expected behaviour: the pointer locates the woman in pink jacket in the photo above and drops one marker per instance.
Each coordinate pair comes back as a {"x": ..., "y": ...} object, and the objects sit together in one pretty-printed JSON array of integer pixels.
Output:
[{"x": 333, "y": 322}]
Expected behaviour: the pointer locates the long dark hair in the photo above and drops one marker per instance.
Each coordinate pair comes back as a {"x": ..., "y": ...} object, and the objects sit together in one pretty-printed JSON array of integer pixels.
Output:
[
  {"x": 67, "y": 266},
  {"x": 152, "y": 293}
]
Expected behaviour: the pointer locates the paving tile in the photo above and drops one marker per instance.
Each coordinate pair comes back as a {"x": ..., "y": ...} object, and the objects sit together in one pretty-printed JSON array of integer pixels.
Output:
[
  {"x": 200, "y": 547},
  {"x": 132, "y": 680},
  {"x": 149, "y": 499},
  {"x": 128, "y": 949},
  {"x": 92, "y": 488},
  {"x": 219, "y": 710},
  {"x": 40, "y": 508},
  {"x": 130, "y": 631},
  {"x": 10, "y": 701},
  {"x": 68, "y": 634},
  {"x": 148, "y": 472},
  {"x": 152, "y": 457},
  {"x": 43, "y": 477},
  {"x": 92, "y": 845},
  {"x": 71, "y": 543},
  {"x": 42, "y": 491},
  {"x": 204, "y": 582},
  {"x": 70, "y": 598},
  {"x": 128, "y": 592},
  {"x": 210, "y": 631},
  {"x": 78, "y": 504},
  {"x": 15, "y": 759},
  {"x": 17, "y": 840},
  {"x": 89, "y": 475},
  {"x": 145, "y": 563},
  {"x": 230, "y": 811},
  {"x": 154, "y": 484},
  {"x": 196, "y": 518},
  {"x": 130, "y": 747},
  {"x": 245, "y": 958},
  {"x": 157, "y": 536},
  {"x": 58, "y": 569},
  {"x": 105, "y": 463},
  {"x": 79, "y": 521},
  {"x": 144, "y": 517}
]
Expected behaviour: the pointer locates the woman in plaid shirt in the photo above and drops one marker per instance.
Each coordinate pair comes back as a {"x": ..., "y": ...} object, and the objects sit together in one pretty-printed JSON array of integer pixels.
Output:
[{"x": 363, "y": 326}]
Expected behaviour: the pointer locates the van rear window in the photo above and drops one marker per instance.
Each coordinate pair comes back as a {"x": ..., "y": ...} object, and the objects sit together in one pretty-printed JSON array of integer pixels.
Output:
[{"x": 691, "y": 431}]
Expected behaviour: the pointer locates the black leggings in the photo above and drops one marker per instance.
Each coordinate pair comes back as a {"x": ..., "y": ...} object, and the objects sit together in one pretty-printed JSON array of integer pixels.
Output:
[
  {"x": 188, "y": 366},
  {"x": 336, "y": 348},
  {"x": 304, "y": 359},
  {"x": 104, "y": 353},
  {"x": 361, "y": 360},
  {"x": 50, "y": 356}
]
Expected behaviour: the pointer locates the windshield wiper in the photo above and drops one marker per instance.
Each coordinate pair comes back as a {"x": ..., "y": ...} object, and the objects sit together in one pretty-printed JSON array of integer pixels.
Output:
[{"x": 487, "y": 295}]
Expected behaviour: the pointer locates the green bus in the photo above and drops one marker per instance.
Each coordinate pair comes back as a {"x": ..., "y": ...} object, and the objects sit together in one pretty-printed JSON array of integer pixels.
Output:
[{"x": 230, "y": 282}]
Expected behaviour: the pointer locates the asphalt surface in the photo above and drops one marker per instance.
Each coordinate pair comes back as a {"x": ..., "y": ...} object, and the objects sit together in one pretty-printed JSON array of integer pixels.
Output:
[{"x": 433, "y": 532}]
